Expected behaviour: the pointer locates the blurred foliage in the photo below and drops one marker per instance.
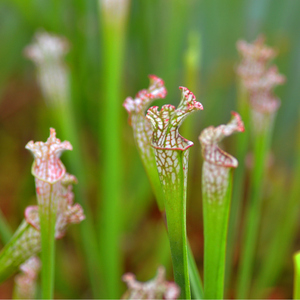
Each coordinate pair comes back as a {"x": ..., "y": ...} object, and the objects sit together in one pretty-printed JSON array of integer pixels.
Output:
[{"x": 158, "y": 39}]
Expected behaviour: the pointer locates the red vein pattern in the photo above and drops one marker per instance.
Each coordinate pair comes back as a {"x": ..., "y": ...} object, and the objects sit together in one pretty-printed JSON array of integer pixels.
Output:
[
  {"x": 217, "y": 163},
  {"x": 142, "y": 130},
  {"x": 166, "y": 138},
  {"x": 67, "y": 212},
  {"x": 136, "y": 109},
  {"x": 157, "y": 288},
  {"x": 48, "y": 169}
]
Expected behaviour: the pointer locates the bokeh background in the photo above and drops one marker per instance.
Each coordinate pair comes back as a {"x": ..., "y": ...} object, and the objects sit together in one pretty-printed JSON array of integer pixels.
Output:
[{"x": 189, "y": 43}]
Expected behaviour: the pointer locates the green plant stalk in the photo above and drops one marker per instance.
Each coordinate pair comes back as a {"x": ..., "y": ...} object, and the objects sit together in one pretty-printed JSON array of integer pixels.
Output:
[
  {"x": 24, "y": 243},
  {"x": 296, "y": 276},
  {"x": 253, "y": 213},
  {"x": 285, "y": 233},
  {"x": 63, "y": 117},
  {"x": 109, "y": 228},
  {"x": 175, "y": 206},
  {"x": 195, "y": 279},
  {"x": 5, "y": 230},
  {"x": 215, "y": 218},
  {"x": 47, "y": 215},
  {"x": 242, "y": 141}
]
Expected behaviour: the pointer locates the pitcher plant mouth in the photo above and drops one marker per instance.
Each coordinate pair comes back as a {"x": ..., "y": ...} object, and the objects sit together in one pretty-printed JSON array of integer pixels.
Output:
[{"x": 165, "y": 123}]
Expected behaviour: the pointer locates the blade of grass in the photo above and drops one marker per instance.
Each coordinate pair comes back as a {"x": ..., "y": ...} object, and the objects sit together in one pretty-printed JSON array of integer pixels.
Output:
[
  {"x": 285, "y": 233},
  {"x": 113, "y": 19},
  {"x": 297, "y": 276},
  {"x": 242, "y": 141},
  {"x": 195, "y": 280},
  {"x": 253, "y": 212},
  {"x": 5, "y": 230}
]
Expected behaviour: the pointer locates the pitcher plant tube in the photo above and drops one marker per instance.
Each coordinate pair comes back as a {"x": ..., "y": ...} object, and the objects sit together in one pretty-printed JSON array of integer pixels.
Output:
[
  {"x": 171, "y": 154},
  {"x": 216, "y": 192},
  {"x": 142, "y": 131},
  {"x": 49, "y": 173}
]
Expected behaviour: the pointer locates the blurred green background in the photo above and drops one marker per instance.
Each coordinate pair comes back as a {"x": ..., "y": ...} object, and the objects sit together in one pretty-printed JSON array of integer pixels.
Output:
[{"x": 189, "y": 43}]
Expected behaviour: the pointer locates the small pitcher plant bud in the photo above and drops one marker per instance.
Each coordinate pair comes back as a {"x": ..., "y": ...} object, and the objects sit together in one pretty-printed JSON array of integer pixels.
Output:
[
  {"x": 48, "y": 52},
  {"x": 171, "y": 153},
  {"x": 157, "y": 288},
  {"x": 25, "y": 282},
  {"x": 48, "y": 171},
  {"x": 259, "y": 80},
  {"x": 142, "y": 129},
  {"x": 216, "y": 194},
  {"x": 255, "y": 58}
]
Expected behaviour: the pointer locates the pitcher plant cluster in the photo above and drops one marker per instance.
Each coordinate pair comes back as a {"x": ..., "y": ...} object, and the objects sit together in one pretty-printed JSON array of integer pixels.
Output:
[{"x": 165, "y": 156}]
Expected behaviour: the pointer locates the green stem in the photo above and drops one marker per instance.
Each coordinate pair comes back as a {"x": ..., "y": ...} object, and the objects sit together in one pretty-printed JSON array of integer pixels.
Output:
[
  {"x": 253, "y": 213},
  {"x": 47, "y": 217},
  {"x": 113, "y": 29},
  {"x": 196, "y": 284},
  {"x": 24, "y": 243},
  {"x": 175, "y": 205},
  {"x": 5, "y": 231},
  {"x": 297, "y": 276},
  {"x": 285, "y": 233},
  {"x": 215, "y": 218},
  {"x": 242, "y": 142},
  {"x": 65, "y": 119}
]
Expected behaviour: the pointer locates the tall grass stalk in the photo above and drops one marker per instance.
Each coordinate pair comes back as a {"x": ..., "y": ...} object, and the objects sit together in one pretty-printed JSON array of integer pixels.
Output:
[
  {"x": 285, "y": 230},
  {"x": 253, "y": 212},
  {"x": 5, "y": 230},
  {"x": 216, "y": 195},
  {"x": 242, "y": 141},
  {"x": 113, "y": 19},
  {"x": 296, "y": 276}
]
